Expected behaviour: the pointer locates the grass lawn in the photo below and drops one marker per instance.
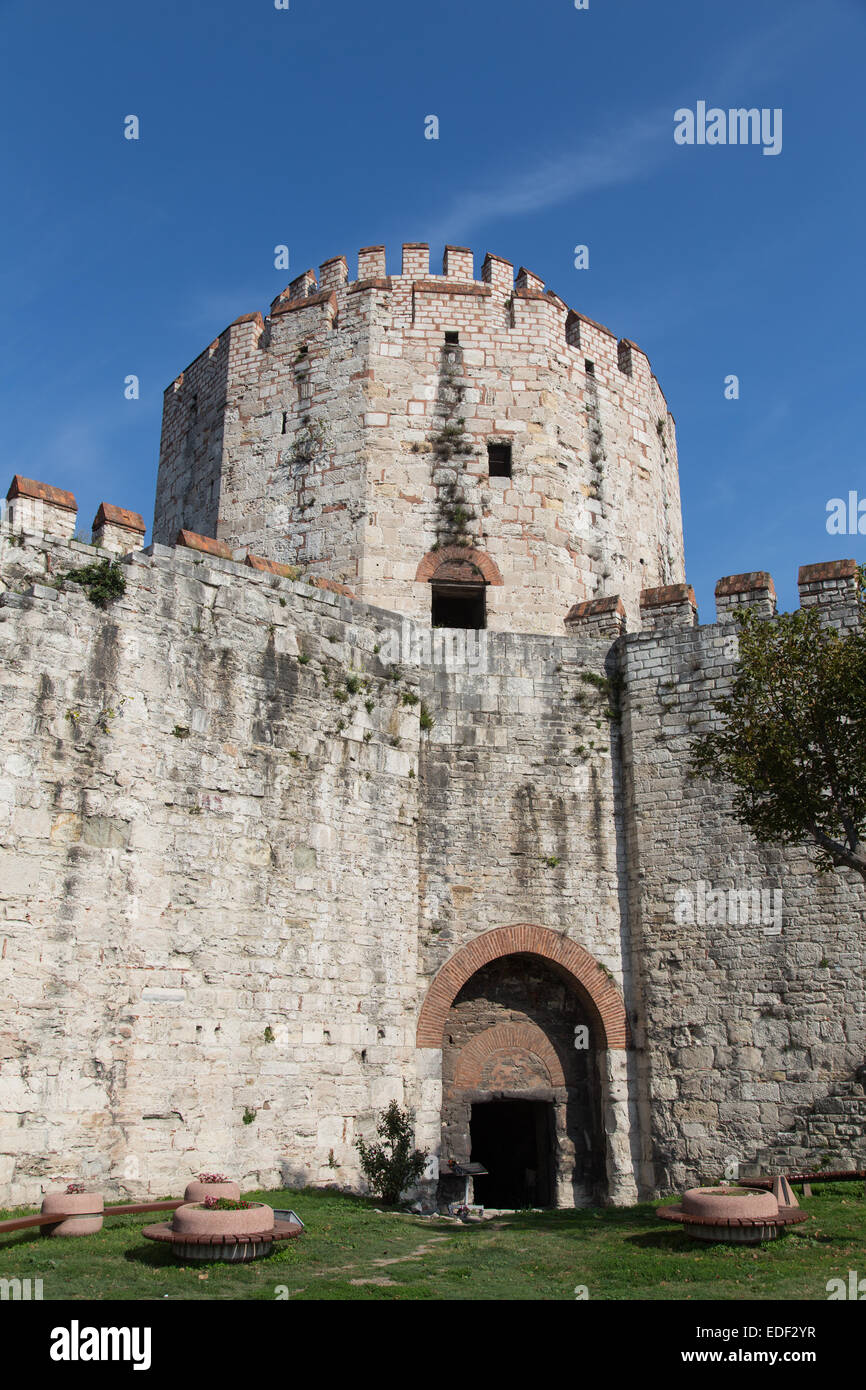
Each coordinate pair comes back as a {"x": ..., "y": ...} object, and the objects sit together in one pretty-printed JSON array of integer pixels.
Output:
[{"x": 349, "y": 1251}]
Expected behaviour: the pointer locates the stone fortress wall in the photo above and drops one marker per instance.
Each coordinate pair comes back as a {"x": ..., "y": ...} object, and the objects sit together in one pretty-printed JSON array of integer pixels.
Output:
[
  {"x": 752, "y": 1013},
  {"x": 260, "y": 841}
]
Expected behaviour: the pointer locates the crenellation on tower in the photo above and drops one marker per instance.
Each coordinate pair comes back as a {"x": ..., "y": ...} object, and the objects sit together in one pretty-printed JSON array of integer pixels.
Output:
[
  {"x": 301, "y": 287},
  {"x": 324, "y": 298},
  {"x": 834, "y": 590},
  {"x": 416, "y": 260},
  {"x": 371, "y": 263},
  {"x": 527, "y": 280},
  {"x": 602, "y": 617},
  {"x": 334, "y": 273},
  {"x": 458, "y": 263},
  {"x": 498, "y": 273},
  {"x": 825, "y": 585}
]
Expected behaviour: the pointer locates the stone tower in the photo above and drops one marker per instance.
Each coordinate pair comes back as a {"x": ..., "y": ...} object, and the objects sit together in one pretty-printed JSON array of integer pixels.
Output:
[{"x": 470, "y": 448}]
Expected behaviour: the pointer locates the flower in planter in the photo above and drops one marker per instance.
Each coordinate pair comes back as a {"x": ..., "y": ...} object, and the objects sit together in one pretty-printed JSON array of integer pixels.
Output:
[
  {"x": 70, "y": 1184},
  {"x": 78, "y": 1211},
  {"x": 211, "y": 1185},
  {"x": 225, "y": 1204}
]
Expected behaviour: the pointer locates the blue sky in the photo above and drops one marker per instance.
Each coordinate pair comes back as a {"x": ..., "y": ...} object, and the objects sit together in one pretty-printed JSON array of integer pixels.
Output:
[{"x": 306, "y": 127}]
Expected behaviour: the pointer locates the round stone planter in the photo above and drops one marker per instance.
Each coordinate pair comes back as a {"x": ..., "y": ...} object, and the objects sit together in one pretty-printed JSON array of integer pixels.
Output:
[
  {"x": 78, "y": 1213},
  {"x": 234, "y": 1237},
  {"x": 760, "y": 1210},
  {"x": 729, "y": 1202},
  {"x": 196, "y": 1191},
  {"x": 193, "y": 1219},
  {"x": 194, "y": 1233},
  {"x": 742, "y": 1215}
]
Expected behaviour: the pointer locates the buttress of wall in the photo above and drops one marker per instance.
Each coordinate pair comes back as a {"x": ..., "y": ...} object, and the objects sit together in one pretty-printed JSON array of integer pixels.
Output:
[
  {"x": 752, "y": 1007},
  {"x": 206, "y": 854},
  {"x": 191, "y": 445},
  {"x": 295, "y": 461},
  {"x": 520, "y": 814},
  {"x": 520, "y": 823}
]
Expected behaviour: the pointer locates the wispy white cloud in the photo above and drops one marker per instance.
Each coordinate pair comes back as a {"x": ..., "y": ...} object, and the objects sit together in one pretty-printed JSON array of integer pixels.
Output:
[
  {"x": 621, "y": 156},
  {"x": 637, "y": 148}
]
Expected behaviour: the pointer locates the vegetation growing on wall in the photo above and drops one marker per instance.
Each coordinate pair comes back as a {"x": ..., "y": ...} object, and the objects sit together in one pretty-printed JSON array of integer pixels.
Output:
[
  {"x": 311, "y": 440},
  {"x": 594, "y": 709},
  {"x": 103, "y": 581},
  {"x": 450, "y": 443}
]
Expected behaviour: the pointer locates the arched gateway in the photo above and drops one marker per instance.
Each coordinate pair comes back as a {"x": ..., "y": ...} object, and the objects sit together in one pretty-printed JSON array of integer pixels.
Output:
[{"x": 528, "y": 1036}]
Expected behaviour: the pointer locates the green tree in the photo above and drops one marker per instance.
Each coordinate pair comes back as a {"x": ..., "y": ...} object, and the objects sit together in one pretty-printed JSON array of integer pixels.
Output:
[
  {"x": 792, "y": 740},
  {"x": 393, "y": 1165}
]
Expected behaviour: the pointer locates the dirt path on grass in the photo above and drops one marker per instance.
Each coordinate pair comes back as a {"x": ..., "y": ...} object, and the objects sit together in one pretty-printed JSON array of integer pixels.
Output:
[{"x": 418, "y": 1253}]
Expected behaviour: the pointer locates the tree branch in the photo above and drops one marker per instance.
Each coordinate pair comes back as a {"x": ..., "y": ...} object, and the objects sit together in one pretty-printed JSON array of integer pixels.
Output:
[{"x": 840, "y": 854}]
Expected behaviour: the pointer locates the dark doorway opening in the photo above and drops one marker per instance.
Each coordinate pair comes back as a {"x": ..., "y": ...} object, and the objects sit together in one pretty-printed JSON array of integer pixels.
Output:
[
  {"x": 513, "y": 1141},
  {"x": 459, "y": 605}
]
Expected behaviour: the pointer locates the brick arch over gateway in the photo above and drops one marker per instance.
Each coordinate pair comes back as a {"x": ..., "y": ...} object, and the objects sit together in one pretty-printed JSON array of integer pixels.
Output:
[
  {"x": 592, "y": 984},
  {"x": 461, "y": 562},
  {"x": 509, "y": 1039}
]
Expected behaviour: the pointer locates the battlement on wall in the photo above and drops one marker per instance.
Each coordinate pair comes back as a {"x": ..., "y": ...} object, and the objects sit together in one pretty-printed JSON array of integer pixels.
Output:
[
  {"x": 830, "y": 586},
  {"x": 41, "y": 509},
  {"x": 33, "y": 506},
  {"x": 502, "y": 300}
]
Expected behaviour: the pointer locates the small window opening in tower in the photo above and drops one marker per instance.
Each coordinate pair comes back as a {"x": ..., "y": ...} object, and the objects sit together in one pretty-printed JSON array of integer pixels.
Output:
[
  {"x": 499, "y": 460},
  {"x": 285, "y": 421},
  {"x": 459, "y": 605},
  {"x": 451, "y": 337},
  {"x": 590, "y": 367},
  {"x": 303, "y": 350}
]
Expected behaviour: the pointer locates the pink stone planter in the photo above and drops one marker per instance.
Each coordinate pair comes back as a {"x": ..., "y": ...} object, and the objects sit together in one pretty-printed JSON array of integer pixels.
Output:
[
  {"x": 729, "y": 1202},
  {"x": 82, "y": 1212},
  {"x": 196, "y": 1220},
  {"x": 197, "y": 1191},
  {"x": 741, "y": 1215},
  {"x": 235, "y": 1237}
]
